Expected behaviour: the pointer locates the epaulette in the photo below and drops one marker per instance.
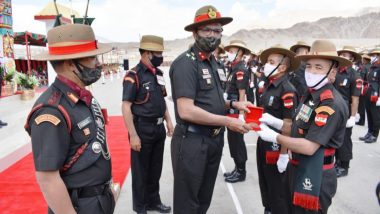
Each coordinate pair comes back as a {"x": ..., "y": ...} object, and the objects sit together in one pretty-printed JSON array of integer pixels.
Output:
[{"x": 328, "y": 94}]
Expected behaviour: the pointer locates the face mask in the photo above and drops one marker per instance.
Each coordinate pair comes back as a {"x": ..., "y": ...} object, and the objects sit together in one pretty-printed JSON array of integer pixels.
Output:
[
  {"x": 231, "y": 56},
  {"x": 156, "y": 60},
  {"x": 207, "y": 44},
  {"x": 88, "y": 75},
  {"x": 313, "y": 79},
  {"x": 373, "y": 59},
  {"x": 268, "y": 69}
]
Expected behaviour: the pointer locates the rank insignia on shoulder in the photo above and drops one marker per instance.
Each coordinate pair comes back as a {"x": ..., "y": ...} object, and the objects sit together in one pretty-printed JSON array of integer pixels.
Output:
[
  {"x": 47, "y": 118},
  {"x": 191, "y": 55},
  {"x": 328, "y": 94},
  {"x": 321, "y": 119}
]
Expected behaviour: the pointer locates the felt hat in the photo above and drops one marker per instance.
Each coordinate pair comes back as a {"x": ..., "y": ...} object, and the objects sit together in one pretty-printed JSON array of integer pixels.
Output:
[
  {"x": 72, "y": 41},
  {"x": 207, "y": 15}
]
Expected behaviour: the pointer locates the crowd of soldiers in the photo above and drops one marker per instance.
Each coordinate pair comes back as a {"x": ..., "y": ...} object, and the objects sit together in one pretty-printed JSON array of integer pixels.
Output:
[{"x": 311, "y": 98}]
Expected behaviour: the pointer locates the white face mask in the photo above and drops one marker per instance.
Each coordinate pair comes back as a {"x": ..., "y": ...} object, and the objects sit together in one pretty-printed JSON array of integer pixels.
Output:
[
  {"x": 373, "y": 59},
  {"x": 268, "y": 68},
  {"x": 312, "y": 79},
  {"x": 231, "y": 56}
]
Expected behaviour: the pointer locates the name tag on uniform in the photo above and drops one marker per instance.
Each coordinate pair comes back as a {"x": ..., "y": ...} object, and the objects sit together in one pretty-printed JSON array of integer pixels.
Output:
[
  {"x": 222, "y": 75},
  {"x": 270, "y": 103},
  {"x": 206, "y": 76},
  {"x": 344, "y": 82},
  {"x": 161, "y": 80},
  {"x": 305, "y": 113},
  {"x": 205, "y": 71},
  {"x": 84, "y": 122}
]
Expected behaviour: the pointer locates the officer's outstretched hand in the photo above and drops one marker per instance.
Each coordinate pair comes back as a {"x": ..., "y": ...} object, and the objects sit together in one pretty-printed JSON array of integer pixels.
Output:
[
  {"x": 243, "y": 106},
  {"x": 272, "y": 121},
  {"x": 282, "y": 162},
  {"x": 237, "y": 125},
  {"x": 267, "y": 134},
  {"x": 135, "y": 143}
]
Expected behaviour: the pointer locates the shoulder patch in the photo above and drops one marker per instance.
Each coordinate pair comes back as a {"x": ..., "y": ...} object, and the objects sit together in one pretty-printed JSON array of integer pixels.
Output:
[
  {"x": 288, "y": 95},
  {"x": 240, "y": 75},
  {"x": 328, "y": 94},
  {"x": 359, "y": 83},
  {"x": 47, "y": 118},
  {"x": 326, "y": 109},
  {"x": 321, "y": 119}
]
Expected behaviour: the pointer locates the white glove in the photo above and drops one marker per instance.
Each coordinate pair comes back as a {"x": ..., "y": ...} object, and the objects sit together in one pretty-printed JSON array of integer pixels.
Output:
[
  {"x": 350, "y": 122},
  {"x": 241, "y": 117},
  {"x": 254, "y": 69},
  {"x": 357, "y": 117},
  {"x": 261, "y": 84},
  {"x": 282, "y": 162},
  {"x": 272, "y": 121},
  {"x": 267, "y": 134},
  {"x": 378, "y": 102}
]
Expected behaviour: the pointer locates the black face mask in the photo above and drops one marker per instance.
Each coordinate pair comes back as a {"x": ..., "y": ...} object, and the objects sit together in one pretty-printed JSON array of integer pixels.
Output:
[
  {"x": 88, "y": 75},
  {"x": 207, "y": 44},
  {"x": 156, "y": 60}
]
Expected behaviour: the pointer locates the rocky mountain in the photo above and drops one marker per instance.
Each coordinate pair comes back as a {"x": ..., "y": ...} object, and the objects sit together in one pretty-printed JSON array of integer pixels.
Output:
[{"x": 362, "y": 31}]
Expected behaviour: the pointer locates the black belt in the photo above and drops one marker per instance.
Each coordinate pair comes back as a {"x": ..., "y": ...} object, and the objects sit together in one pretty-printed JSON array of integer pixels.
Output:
[
  {"x": 91, "y": 191},
  {"x": 154, "y": 120},
  {"x": 210, "y": 132}
]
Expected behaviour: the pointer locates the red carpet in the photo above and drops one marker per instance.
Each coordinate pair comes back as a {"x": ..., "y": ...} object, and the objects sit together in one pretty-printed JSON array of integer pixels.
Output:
[{"x": 19, "y": 192}]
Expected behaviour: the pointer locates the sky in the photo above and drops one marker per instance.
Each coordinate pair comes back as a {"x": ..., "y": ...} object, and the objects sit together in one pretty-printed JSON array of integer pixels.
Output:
[{"x": 127, "y": 20}]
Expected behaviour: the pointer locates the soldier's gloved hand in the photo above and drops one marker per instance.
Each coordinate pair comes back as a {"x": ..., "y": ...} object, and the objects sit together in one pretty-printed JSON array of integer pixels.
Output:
[
  {"x": 350, "y": 122},
  {"x": 378, "y": 102},
  {"x": 282, "y": 162},
  {"x": 357, "y": 117},
  {"x": 237, "y": 125},
  {"x": 135, "y": 143},
  {"x": 272, "y": 121},
  {"x": 267, "y": 134}
]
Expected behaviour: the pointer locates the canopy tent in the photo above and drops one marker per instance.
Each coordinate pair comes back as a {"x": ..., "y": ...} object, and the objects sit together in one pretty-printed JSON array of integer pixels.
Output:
[{"x": 28, "y": 39}]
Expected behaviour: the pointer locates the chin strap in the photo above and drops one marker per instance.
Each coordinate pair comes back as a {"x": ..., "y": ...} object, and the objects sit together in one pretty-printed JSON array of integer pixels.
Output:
[{"x": 332, "y": 64}]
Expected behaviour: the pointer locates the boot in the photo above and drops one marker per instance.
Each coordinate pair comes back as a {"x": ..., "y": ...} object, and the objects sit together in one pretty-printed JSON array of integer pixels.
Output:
[
  {"x": 3, "y": 123},
  {"x": 228, "y": 174},
  {"x": 365, "y": 137},
  {"x": 341, "y": 172},
  {"x": 371, "y": 139},
  {"x": 238, "y": 176}
]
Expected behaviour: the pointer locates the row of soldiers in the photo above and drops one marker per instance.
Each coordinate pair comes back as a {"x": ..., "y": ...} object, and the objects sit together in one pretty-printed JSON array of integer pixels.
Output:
[
  {"x": 303, "y": 128},
  {"x": 278, "y": 90}
]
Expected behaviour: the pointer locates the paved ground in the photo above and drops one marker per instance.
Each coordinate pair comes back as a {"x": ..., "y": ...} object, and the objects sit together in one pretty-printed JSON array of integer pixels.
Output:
[{"x": 355, "y": 193}]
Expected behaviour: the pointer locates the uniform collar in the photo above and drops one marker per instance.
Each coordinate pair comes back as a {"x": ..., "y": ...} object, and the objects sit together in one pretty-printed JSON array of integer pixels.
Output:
[
  {"x": 277, "y": 81},
  {"x": 343, "y": 69},
  {"x": 148, "y": 67},
  {"x": 72, "y": 91},
  {"x": 201, "y": 56},
  {"x": 316, "y": 94}
]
